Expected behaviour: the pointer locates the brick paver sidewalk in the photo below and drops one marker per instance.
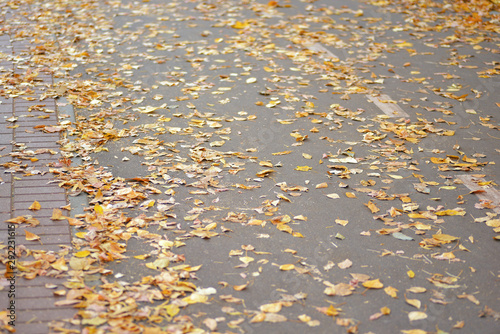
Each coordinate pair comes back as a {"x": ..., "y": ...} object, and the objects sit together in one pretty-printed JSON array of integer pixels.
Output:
[{"x": 25, "y": 154}]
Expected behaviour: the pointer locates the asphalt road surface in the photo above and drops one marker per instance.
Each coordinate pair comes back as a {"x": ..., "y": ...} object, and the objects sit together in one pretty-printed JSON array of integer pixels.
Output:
[{"x": 330, "y": 165}]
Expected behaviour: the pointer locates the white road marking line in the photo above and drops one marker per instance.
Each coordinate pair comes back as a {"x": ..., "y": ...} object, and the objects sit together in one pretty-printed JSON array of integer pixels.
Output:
[
  {"x": 320, "y": 48},
  {"x": 390, "y": 109},
  {"x": 488, "y": 193}
]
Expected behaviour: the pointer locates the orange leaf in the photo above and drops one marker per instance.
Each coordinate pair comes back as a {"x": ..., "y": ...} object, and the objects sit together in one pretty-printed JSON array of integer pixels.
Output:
[
  {"x": 373, "y": 208},
  {"x": 31, "y": 236}
]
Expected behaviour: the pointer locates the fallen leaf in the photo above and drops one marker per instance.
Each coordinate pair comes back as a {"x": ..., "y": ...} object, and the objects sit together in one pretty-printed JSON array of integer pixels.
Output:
[
  {"x": 57, "y": 215},
  {"x": 417, "y": 315},
  {"x": 373, "y": 208},
  {"x": 393, "y": 292},
  {"x": 413, "y": 302},
  {"x": 271, "y": 308},
  {"x": 31, "y": 236},
  {"x": 35, "y": 206},
  {"x": 417, "y": 289},
  {"x": 373, "y": 284},
  {"x": 286, "y": 267},
  {"x": 345, "y": 264},
  {"x": 341, "y": 222}
]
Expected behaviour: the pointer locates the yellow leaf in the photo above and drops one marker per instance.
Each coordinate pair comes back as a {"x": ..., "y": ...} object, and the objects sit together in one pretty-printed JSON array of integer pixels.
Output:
[
  {"x": 57, "y": 215},
  {"x": 286, "y": 267},
  {"x": 282, "y": 153},
  {"x": 385, "y": 310},
  {"x": 322, "y": 185},
  {"x": 410, "y": 273},
  {"x": 493, "y": 223},
  {"x": 260, "y": 317},
  {"x": 98, "y": 209},
  {"x": 393, "y": 292},
  {"x": 246, "y": 259},
  {"x": 350, "y": 195},
  {"x": 283, "y": 197},
  {"x": 413, "y": 331},
  {"x": 172, "y": 310},
  {"x": 195, "y": 298},
  {"x": 439, "y": 160},
  {"x": 373, "y": 208},
  {"x": 450, "y": 213},
  {"x": 284, "y": 228},
  {"x": 265, "y": 172},
  {"x": 239, "y": 25},
  {"x": 332, "y": 311},
  {"x": 417, "y": 289},
  {"x": 304, "y": 318},
  {"x": 341, "y": 222},
  {"x": 35, "y": 206},
  {"x": 211, "y": 226},
  {"x": 82, "y": 253},
  {"x": 373, "y": 284},
  {"x": 444, "y": 238},
  {"x": 31, "y": 236},
  {"x": 241, "y": 287},
  {"x": 60, "y": 264},
  {"x": 413, "y": 302},
  {"x": 271, "y": 308},
  {"x": 303, "y": 168},
  {"x": 81, "y": 235},
  {"x": 417, "y": 315}
]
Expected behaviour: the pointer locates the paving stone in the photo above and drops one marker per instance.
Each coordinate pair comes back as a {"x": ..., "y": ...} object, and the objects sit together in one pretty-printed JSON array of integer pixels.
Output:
[
  {"x": 47, "y": 239},
  {"x": 44, "y": 315}
]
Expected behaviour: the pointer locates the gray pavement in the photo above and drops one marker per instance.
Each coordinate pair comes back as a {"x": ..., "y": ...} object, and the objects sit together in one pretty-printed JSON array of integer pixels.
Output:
[{"x": 330, "y": 165}]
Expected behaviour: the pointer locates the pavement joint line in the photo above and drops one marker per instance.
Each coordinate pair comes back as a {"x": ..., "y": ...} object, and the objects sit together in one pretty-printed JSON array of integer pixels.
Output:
[
  {"x": 487, "y": 194},
  {"x": 388, "y": 108},
  {"x": 318, "y": 47}
]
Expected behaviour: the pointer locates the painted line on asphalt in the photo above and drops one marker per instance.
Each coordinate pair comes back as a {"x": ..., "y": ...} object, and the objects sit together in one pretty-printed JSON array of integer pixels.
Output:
[
  {"x": 387, "y": 105},
  {"x": 320, "y": 48},
  {"x": 486, "y": 193}
]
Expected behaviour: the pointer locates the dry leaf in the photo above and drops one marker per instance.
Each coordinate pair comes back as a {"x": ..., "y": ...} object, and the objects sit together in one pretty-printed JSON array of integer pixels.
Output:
[
  {"x": 271, "y": 308},
  {"x": 417, "y": 315},
  {"x": 373, "y": 284},
  {"x": 341, "y": 222},
  {"x": 57, "y": 215},
  {"x": 345, "y": 264},
  {"x": 393, "y": 292},
  {"x": 35, "y": 206},
  {"x": 417, "y": 289},
  {"x": 286, "y": 267},
  {"x": 31, "y": 236},
  {"x": 413, "y": 302}
]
